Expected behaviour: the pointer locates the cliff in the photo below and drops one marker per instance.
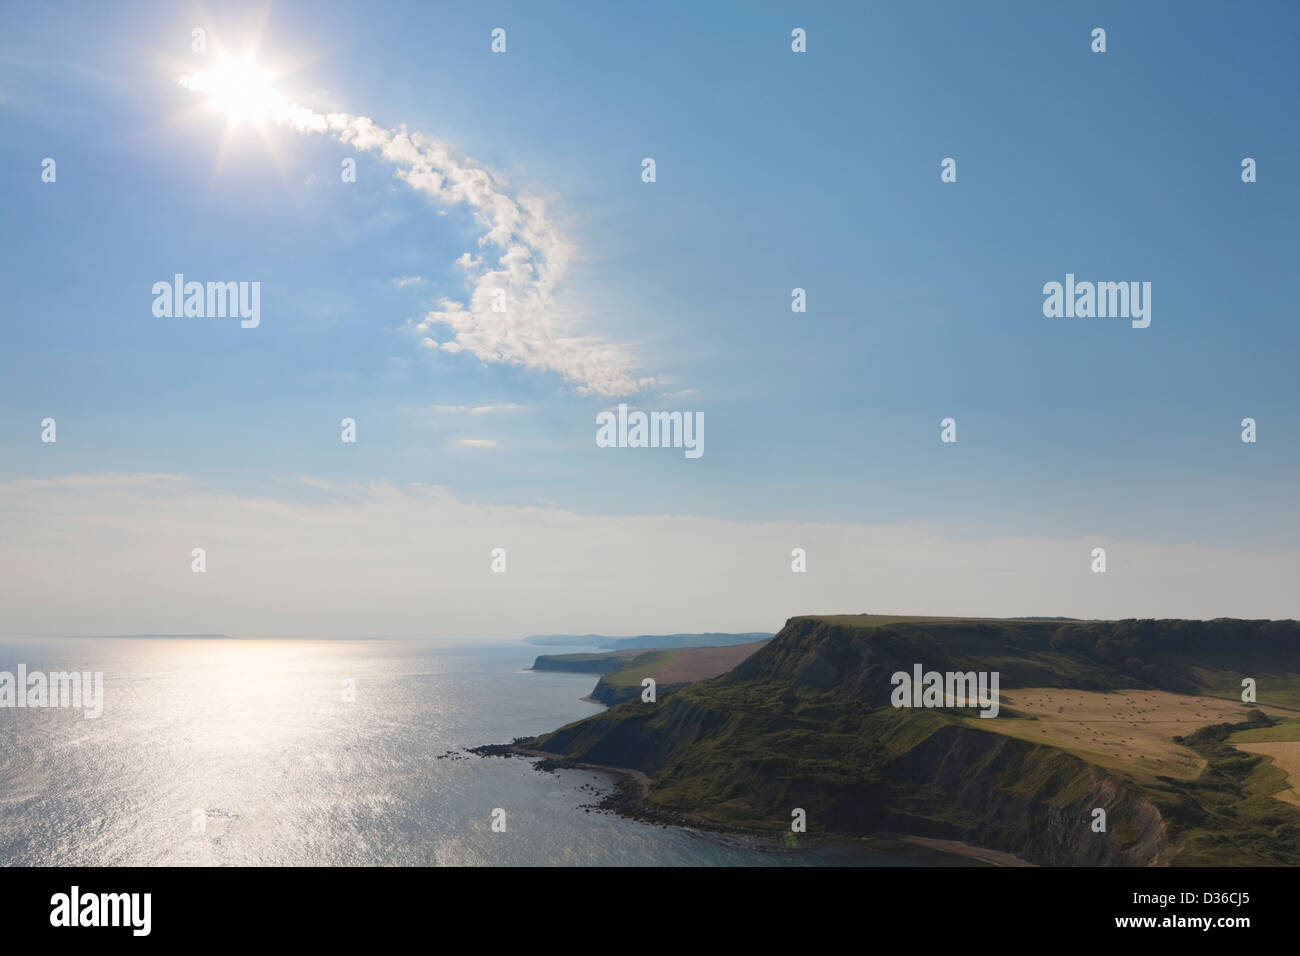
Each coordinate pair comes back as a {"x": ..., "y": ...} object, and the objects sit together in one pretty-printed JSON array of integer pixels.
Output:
[
  {"x": 806, "y": 722},
  {"x": 623, "y": 671}
]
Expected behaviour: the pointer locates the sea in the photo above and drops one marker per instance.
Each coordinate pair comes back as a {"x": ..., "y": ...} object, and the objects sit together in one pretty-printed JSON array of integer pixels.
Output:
[{"x": 218, "y": 752}]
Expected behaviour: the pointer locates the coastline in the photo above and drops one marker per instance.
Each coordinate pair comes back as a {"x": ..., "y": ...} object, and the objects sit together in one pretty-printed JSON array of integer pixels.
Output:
[{"x": 629, "y": 801}]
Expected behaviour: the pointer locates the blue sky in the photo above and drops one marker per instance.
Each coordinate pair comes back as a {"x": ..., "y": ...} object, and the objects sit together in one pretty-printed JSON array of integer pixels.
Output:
[{"x": 775, "y": 170}]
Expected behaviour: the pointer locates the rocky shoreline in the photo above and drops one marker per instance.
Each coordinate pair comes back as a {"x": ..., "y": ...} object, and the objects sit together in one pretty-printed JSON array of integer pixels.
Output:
[
  {"x": 628, "y": 798},
  {"x": 628, "y": 801}
]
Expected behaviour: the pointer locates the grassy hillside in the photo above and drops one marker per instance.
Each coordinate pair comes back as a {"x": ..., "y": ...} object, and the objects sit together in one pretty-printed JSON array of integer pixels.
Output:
[
  {"x": 623, "y": 670},
  {"x": 805, "y": 722},
  {"x": 603, "y": 662}
]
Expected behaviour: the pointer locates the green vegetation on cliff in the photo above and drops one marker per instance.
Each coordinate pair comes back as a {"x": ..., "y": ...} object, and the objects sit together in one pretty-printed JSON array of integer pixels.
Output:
[
  {"x": 598, "y": 663},
  {"x": 805, "y": 722},
  {"x": 622, "y": 672}
]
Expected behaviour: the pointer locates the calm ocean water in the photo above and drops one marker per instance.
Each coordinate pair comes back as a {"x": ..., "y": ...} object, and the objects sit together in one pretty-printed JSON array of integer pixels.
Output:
[{"x": 256, "y": 734}]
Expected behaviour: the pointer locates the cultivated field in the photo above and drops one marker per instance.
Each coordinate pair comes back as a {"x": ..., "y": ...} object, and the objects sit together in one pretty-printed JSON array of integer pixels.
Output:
[
  {"x": 1125, "y": 730},
  {"x": 701, "y": 663}
]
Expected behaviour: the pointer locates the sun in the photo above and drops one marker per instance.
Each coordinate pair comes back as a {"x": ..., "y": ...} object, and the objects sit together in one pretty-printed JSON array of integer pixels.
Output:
[
  {"x": 243, "y": 89},
  {"x": 238, "y": 88}
]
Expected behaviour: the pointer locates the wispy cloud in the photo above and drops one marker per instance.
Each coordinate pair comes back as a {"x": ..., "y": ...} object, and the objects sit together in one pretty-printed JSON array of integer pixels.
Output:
[
  {"x": 404, "y": 281},
  {"x": 479, "y": 442},
  {"x": 511, "y": 315}
]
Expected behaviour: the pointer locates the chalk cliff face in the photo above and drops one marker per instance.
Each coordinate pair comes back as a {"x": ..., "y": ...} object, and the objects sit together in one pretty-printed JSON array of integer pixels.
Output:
[
  {"x": 806, "y": 722},
  {"x": 1027, "y": 799}
]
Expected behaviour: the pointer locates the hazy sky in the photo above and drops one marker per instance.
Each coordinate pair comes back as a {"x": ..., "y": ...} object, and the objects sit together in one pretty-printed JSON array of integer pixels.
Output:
[{"x": 775, "y": 170}]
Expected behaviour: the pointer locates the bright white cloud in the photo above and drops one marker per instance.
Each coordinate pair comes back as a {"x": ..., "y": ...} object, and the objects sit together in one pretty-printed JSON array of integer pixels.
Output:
[
  {"x": 111, "y": 554},
  {"x": 521, "y": 259}
]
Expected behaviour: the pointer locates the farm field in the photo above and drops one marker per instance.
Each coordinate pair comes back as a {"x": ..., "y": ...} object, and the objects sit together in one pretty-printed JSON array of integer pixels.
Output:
[{"x": 1129, "y": 730}]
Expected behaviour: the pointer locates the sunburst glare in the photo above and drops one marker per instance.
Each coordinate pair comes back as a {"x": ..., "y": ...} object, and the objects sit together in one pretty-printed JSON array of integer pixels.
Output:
[{"x": 238, "y": 88}]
